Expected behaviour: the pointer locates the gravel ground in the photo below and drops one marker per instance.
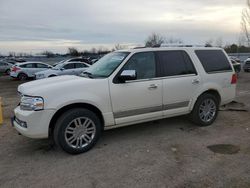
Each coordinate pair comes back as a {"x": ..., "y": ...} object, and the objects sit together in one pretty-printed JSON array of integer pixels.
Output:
[{"x": 168, "y": 153}]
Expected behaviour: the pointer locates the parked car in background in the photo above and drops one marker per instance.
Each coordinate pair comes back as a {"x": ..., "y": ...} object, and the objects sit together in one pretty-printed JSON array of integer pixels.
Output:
[
  {"x": 26, "y": 70},
  {"x": 237, "y": 66},
  {"x": 246, "y": 66},
  {"x": 66, "y": 68},
  {"x": 77, "y": 59},
  {"x": 235, "y": 59},
  {"x": 5, "y": 67}
]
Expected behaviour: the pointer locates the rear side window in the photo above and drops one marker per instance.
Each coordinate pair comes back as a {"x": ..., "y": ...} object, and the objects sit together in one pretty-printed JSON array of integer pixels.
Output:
[
  {"x": 30, "y": 65},
  {"x": 175, "y": 63},
  {"x": 213, "y": 60}
]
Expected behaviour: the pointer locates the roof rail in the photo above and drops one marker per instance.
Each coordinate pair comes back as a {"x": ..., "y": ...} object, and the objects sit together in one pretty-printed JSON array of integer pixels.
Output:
[{"x": 180, "y": 45}]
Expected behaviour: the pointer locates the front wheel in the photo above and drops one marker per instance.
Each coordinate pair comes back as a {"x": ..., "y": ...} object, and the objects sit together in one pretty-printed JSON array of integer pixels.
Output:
[
  {"x": 77, "y": 130},
  {"x": 205, "y": 110}
]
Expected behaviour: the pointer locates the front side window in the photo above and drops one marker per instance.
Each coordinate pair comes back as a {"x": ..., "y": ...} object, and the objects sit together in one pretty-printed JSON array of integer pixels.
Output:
[
  {"x": 213, "y": 60},
  {"x": 175, "y": 63},
  {"x": 107, "y": 64},
  {"x": 41, "y": 66},
  {"x": 80, "y": 65},
  {"x": 144, "y": 65},
  {"x": 69, "y": 66}
]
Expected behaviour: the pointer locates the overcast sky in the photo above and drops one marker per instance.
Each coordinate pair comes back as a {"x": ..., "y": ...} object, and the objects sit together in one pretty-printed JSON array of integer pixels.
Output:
[{"x": 38, "y": 25}]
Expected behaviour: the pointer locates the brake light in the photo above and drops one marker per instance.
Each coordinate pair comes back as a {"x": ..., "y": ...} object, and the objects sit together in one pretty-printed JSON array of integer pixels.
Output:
[
  {"x": 234, "y": 79},
  {"x": 15, "y": 69}
]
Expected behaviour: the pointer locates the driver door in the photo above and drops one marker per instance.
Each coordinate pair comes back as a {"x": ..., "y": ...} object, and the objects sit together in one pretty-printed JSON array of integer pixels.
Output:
[{"x": 140, "y": 99}]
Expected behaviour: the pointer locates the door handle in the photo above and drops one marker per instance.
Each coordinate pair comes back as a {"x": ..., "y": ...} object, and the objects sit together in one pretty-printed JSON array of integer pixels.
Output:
[
  {"x": 196, "y": 81},
  {"x": 153, "y": 86}
]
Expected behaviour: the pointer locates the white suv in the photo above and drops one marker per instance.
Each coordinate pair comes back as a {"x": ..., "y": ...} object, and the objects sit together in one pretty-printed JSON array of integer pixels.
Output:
[{"x": 123, "y": 88}]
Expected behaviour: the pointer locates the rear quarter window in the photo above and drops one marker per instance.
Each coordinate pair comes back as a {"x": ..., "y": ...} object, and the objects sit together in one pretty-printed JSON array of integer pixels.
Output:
[{"x": 213, "y": 60}]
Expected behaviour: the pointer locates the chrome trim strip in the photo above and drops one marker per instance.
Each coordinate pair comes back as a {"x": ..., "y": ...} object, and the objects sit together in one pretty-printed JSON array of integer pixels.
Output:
[
  {"x": 135, "y": 112},
  {"x": 160, "y": 78},
  {"x": 175, "y": 105}
]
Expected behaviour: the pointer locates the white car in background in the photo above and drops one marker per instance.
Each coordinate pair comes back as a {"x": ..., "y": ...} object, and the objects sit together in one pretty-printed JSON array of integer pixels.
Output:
[
  {"x": 67, "y": 68},
  {"x": 5, "y": 67},
  {"x": 23, "y": 71}
]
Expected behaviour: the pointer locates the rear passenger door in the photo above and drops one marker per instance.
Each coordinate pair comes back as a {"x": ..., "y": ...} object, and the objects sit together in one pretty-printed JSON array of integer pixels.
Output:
[
  {"x": 180, "y": 81},
  {"x": 29, "y": 69}
]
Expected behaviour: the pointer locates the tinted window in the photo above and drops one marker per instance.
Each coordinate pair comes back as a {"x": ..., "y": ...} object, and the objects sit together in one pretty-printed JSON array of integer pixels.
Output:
[
  {"x": 69, "y": 66},
  {"x": 175, "y": 63},
  {"x": 213, "y": 60},
  {"x": 143, "y": 64},
  {"x": 80, "y": 65},
  {"x": 41, "y": 66},
  {"x": 30, "y": 65},
  {"x": 74, "y": 60}
]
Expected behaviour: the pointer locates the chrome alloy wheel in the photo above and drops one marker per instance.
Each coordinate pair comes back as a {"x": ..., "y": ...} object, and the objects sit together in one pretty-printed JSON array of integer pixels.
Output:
[
  {"x": 207, "y": 110},
  {"x": 80, "y": 132}
]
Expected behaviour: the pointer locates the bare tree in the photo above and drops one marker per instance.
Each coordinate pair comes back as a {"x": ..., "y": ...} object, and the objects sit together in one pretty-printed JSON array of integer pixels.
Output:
[
  {"x": 73, "y": 51},
  {"x": 172, "y": 40},
  {"x": 245, "y": 22},
  {"x": 154, "y": 40},
  {"x": 120, "y": 47},
  {"x": 219, "y": 42},
  {"x": 209, "y": 43}
]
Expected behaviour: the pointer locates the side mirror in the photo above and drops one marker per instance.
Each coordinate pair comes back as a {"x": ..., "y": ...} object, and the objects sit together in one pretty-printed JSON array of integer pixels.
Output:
[{"x": 127, "y": 75}]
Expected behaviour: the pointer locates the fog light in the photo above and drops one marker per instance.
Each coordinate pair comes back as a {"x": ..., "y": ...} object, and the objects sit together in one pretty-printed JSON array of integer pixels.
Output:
[{"x": 21, "y": 123}]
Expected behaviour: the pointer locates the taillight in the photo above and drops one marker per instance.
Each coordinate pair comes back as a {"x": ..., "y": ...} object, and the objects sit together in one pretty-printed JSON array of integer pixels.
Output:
[
  {"x": 15, "y": 69},
  {"x": 234, "y": 79}
]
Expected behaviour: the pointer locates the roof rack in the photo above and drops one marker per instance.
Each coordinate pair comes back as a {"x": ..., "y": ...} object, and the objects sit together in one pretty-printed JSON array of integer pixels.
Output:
[{"x": 181, "y": 45}]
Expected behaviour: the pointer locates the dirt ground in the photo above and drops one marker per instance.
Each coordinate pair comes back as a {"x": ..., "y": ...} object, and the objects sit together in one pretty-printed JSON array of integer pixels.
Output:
[{"x": 167, "y": 153}]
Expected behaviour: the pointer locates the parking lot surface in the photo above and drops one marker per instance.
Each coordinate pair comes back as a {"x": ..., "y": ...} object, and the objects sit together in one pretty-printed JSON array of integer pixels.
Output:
[{"x": 168, "y": 153}]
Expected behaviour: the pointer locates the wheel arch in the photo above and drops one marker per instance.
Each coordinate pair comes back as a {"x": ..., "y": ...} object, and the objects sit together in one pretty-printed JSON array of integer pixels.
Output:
[
  {"x": 72, "y": 106},
  {"x": 214, "y": 92}
]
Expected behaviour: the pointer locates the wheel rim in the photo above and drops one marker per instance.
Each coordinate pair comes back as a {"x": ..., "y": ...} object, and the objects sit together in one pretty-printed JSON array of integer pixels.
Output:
[
  {"x": 207, "y": 110},
  {"x": 80, "y": 132},
  {"x": 22, "y": 77}
]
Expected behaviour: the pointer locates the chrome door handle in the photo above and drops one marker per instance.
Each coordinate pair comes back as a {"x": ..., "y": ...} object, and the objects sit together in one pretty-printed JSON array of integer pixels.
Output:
[
  {"x": 153, "y": 86},
  {"x": 196, "y": 81}
]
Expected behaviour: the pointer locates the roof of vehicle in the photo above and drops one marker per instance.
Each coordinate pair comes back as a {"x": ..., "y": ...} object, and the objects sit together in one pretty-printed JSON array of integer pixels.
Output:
[
  {"x": 28, "y": 62},
  {"x": 142, "y": 49}
]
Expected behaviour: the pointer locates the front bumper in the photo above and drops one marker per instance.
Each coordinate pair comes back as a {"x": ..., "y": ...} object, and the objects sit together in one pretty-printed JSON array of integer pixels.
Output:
[{"x": 37, "y": 122}]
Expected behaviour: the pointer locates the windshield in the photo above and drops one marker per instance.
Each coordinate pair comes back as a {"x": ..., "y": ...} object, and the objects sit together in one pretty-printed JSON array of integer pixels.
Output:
[
  {"x": 58, "y": 66},
  {"x": 107, "y": 64}
]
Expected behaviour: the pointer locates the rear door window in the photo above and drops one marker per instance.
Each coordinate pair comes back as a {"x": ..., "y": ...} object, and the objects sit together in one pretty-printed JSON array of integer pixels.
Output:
[
  {"x": 213, "y": 60},
  {"x": 30, "y": 65},
  {"x": 175, "y": 63},
  {"x": 41, "y": 66}
]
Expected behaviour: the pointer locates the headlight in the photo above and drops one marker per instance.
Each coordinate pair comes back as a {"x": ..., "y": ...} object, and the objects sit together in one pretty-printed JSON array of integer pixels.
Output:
[{"x": 31, "y": 103}]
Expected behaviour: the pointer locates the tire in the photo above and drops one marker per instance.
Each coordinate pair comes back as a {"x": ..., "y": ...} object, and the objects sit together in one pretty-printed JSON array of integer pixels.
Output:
[
  {"x": 7, "y": 72},
  {"x": 203, "y": 116},
  {"x": 51, "y": 76},
  {"x": 77, "y": 130},
  {"x": 22, "y": 76}
]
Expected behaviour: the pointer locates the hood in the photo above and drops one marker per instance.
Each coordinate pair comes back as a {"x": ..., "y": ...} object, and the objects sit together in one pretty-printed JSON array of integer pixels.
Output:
[{"x": 38, "y": 87}]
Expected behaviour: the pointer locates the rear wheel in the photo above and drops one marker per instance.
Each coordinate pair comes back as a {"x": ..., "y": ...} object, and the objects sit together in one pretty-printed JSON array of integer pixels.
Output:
[
  {"x": 77, "y": 130},
  {"x": 205, "y": 110},
  {"x": 51, "y": 76},
  {"x": 7, "y": 72},
  {"x": 22, "y": 76}
]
